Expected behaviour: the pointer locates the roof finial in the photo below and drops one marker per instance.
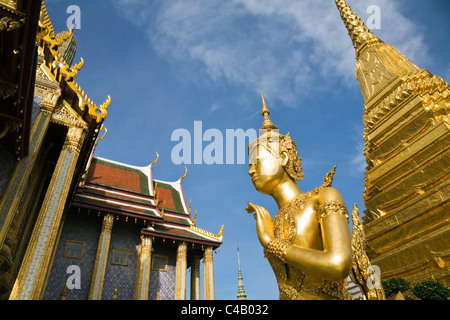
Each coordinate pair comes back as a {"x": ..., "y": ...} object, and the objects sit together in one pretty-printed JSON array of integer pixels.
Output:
[
  {"x": 267, "y": 124},
  {"x": 156, "y": 161},
  {"x": 194, "y": 221},
  {"x": 357, "y": 30},
  {"x": 156, "y": 191},
  {"x": 185, "y": 173}
]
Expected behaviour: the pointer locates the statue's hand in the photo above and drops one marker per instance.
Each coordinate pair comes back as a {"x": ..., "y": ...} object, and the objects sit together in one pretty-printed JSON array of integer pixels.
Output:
[{"x": 264, "y": 224}]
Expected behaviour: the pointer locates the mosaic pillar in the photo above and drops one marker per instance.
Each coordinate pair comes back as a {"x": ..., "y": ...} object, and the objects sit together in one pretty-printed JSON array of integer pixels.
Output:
[
  {"x": 143, "y": 269},
  {"x": 195, "y": 278},
  {"x": 208, "y": 274},
  {"x": 101, "y": 258},
  {"x": 18, "y": 180},
  {"x": 180, "y": 286},
  {"x": 32, "y": 277}
]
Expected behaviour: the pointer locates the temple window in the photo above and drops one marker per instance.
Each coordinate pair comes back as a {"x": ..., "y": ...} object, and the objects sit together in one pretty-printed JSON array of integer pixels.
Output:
[
  {"x": 120, "y": 257},
  {"x": 74, "y": 249},
  {"x": 159, "y": 263}
]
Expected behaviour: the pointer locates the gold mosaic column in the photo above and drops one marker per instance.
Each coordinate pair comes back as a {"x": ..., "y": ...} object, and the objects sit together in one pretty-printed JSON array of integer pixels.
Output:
[
  {"x": 195, "y": 279},
  {"x": 180, "y": 286},
  {"x": 32, "y": 277},
  {"x": 98, "y": 274},
  {"x": 143, "y": 269},
  {"x": 17, "y": 183},
  {"x": 208, "y": 274}
]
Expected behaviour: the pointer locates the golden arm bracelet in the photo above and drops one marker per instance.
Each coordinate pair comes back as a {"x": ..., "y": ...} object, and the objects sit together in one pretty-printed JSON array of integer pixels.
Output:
[
  {"x": 278, "y": 248},
  {"x": 333, "y": 206}
]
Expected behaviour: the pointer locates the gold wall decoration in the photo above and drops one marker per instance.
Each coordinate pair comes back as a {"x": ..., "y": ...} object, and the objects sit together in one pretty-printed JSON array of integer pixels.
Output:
[{"x": 9, "y": 3}]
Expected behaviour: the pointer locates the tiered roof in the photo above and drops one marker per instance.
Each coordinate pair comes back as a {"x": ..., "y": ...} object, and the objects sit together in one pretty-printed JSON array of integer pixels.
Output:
[{"x": 132, "y": 191}]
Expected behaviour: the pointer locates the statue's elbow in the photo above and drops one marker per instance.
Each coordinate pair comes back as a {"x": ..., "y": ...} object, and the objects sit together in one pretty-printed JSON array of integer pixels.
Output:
[{"x": 341, "y": 266}]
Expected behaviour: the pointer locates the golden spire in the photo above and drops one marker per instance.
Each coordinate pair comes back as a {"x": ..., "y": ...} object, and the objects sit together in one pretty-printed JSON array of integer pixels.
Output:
[
  {"x": 267, "y": 124},
  {"x": 377, "y": 61},
  {"x": 359, "y": 33}
]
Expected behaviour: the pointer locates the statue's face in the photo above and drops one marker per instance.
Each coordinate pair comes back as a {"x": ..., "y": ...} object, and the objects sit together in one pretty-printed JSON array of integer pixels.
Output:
[{"x": 265, "y": 169}]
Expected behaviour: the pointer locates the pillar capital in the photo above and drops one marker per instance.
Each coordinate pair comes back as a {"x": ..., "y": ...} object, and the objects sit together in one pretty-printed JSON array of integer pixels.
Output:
[
  {"x": 74, "y": 140},
  {"x": 108, "y": 221}
]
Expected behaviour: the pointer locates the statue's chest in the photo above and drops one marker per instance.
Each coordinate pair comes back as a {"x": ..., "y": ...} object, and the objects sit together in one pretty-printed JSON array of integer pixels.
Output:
[{"x": 297, "y": 217}]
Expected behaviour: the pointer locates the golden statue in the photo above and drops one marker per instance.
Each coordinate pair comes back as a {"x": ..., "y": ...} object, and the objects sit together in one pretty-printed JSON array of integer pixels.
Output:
[{"x": 308, "y": 242}]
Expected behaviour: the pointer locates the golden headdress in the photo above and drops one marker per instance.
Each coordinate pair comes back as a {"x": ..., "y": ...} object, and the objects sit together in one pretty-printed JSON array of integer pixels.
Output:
[{"x": 276, "y": 144}]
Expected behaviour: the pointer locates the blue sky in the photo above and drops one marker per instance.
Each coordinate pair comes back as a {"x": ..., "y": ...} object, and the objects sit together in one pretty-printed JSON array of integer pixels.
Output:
[{"x": 167, "y": 64}]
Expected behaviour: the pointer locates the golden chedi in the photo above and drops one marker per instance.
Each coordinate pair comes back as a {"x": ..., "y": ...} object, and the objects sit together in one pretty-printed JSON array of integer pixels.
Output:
[{"x": 407, "y": 149}]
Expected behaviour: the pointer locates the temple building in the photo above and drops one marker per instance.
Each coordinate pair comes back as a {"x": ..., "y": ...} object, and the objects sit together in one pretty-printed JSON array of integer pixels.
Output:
[
  {"x": 407, "y": 134},
  {"x": 75, "y": 226},
  {"x": 132, "y": 234}
]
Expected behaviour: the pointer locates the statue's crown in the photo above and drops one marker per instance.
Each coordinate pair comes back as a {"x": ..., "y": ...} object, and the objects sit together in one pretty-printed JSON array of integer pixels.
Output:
[
  {"x": 267, "y": 124},
  {"x": 275, "y": 143}
]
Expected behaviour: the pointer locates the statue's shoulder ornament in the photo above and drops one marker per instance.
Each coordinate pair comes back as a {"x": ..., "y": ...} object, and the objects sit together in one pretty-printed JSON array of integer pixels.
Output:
[{"x": 332, "y": 202}]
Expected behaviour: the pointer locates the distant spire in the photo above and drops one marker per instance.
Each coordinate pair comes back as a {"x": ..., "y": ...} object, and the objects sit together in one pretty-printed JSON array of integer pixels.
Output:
[
  {"x": 357, "y": 30},
  {"x": 267, "y": 124},
  {"x": 241, "y": 292}
]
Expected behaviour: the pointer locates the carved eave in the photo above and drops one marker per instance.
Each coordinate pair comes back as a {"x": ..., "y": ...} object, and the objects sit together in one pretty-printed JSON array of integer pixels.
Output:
[{"x": 55, "y": 68}]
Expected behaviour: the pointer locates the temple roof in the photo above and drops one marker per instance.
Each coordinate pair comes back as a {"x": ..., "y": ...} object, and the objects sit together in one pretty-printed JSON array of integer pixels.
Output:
[
  {"x": 132, "y": 191},
  {"x": 120, "y": 176}
]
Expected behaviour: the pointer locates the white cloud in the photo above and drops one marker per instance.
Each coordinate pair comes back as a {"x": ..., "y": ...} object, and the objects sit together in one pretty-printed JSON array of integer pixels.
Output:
[
  {"x": 284, "y": 48},
  {"x": 359, "y": 160},
  {"x": 214, "y": 107}
]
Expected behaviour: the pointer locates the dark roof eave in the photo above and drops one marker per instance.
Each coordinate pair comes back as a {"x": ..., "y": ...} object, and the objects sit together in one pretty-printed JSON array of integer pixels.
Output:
[
  {"x": 180, "y": 238},
  {"x": 116, "y": 211}
]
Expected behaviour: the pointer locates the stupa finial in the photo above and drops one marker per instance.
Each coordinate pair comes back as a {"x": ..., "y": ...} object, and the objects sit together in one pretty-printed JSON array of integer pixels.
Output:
[{"x": 357, "y": 30}]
